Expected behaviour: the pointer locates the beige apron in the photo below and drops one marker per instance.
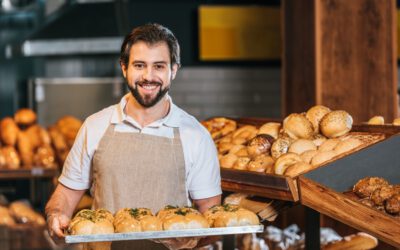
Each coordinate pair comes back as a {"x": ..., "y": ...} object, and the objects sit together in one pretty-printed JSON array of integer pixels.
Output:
[{"x": 138, "y": 170}]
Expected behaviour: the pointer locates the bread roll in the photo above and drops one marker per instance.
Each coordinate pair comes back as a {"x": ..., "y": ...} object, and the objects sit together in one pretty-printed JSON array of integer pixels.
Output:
[
  {"x": 11, "y": 157},
  {"x": 25, "y": 149},
  {"x": 280, "y": 147},
  {"x": 69, "y": 127},
  {"x": 380, "y": 195},
  {"x": 315, "y": 114},
  {"x": 184, "y": 218},
  {"x": 392, "y": 205},
  {"x": 225, "y": 147},
  {"x": 230, "y": 216},
  {"x": 322, "y": 157},
  {"x": 359, "y": 241},
  {"x": 284, "y": 161},
  {"x": 261, "y": 163},
  {"x": 24, "y": 213},
  {"x": 366, "y": 186},
  {"x": 329, "y": 145},
  {"x": 236, "y": 148},
  {"x": 318, "y": 139},
  {"x": 25, "y": 117},
  {"x": 242, "y": 152},
  {"x": 347, "y": 145},
  {"x": 396, "y": 122},
  {"x": 91, "y": 222},
  {"x": 136, "y": 220},
  {"x": 45, "y": 157},
  {"x": 301, "y": 145},
  {"x": 8, "y": 131},
  {"x": 376, "y": 120},
  {"x": 227, "y": 161},
  {"x": 5, "y": 217},
  {"x": 270, "y": 128},
  {"x": 297, "y": 126},
  {"x": 241, "y": 163},
  {"x": 219, "y": 126},
  {"x": 336, "y": 123},
  {"x": 261, "y": 144},
  {"x": 297, "y": 169},
  {"x": 308, "y": 155}
]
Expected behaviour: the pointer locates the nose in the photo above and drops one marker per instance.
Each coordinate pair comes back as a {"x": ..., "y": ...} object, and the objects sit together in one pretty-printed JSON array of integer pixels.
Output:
[{"x": 147, "y": 74}]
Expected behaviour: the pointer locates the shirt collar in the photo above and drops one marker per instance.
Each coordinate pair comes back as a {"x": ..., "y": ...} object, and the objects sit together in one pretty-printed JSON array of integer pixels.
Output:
[{"x": 171, "y": 120}]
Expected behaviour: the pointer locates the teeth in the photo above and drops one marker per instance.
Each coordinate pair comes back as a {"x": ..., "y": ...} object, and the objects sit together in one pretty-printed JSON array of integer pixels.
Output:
[{"x": 149, "y": 87}]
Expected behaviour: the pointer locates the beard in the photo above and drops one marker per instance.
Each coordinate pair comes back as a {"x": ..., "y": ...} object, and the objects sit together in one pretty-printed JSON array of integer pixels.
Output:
[{"x": 146, "y": 100}]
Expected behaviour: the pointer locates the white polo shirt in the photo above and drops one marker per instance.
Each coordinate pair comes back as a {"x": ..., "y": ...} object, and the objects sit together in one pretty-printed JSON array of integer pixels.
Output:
[{"x": 201, "y": 162}]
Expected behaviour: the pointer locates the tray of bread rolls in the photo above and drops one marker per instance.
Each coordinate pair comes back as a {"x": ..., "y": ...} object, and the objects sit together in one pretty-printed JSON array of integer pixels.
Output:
[
  {"x": 265, "y": 157},
  {"x": 171, "y": 222}
]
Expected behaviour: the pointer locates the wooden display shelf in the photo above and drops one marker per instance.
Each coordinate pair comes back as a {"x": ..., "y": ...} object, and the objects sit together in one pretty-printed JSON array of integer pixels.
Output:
[{"x": 25, "y": 173}]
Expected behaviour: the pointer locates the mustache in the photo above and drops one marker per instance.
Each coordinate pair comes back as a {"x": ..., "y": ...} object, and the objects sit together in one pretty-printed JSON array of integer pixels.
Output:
[{"x": 144, "y": 82}]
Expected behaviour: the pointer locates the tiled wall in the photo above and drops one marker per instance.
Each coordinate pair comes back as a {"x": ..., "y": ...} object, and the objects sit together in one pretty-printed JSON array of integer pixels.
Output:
[{"x": 228, "y": 91}]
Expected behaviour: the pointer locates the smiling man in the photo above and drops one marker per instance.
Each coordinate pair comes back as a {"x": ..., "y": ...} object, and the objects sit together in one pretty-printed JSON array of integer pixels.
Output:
[{"x": 144, "y": 151}]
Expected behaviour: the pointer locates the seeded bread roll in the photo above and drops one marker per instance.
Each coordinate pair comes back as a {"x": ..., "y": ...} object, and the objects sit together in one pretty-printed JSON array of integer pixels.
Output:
[
  {"x": 297, "y": 126},
  {"x": 315, "y": 114},
  {"x": 280, "y": 147},
  {"x": 336, "y": 123}
]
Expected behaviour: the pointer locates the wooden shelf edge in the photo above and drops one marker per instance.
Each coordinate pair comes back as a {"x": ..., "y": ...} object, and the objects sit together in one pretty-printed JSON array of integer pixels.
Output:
[
  {"x": 27, "y": 173},
  {"x": 352, "y": 213}
]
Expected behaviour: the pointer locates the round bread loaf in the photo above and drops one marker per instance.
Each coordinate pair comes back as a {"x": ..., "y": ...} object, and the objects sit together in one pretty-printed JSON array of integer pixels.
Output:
[
  {"x": 25, "y": 117},
  {"x": 315, "y": 114},
  {"x": 301, "y": 145},
  {"x": 89, "y": 221},
  {"x": 284, "y": 161},
  {"x": 230, "y": 216},
  {"x": 376, "y": 120},
  {"x": 336, "y": 123},
  {"x": 280, "y": 146},
  {"x": 261, "y": 144},
  {"x": 184, "y": 218},
  {"x": 270, "y": 128},
  {"x": 297, "y": 126}
]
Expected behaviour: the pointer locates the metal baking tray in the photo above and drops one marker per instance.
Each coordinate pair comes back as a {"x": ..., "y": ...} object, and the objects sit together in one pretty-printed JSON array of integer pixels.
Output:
[{"x": 202, "y": 232}]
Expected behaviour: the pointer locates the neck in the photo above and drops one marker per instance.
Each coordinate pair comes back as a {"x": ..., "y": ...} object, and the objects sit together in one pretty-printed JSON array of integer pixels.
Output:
[{"x": 145, "y": 116}]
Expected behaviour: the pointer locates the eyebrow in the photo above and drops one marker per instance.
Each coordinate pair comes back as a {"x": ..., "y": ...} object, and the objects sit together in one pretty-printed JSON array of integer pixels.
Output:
[{"x": 157, "y": 62}]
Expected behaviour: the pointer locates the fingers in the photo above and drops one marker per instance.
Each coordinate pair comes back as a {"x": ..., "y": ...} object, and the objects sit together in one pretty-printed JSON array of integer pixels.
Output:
[
  {"x": 56, "y": 225},
  {"x": 180, "y": 243}
]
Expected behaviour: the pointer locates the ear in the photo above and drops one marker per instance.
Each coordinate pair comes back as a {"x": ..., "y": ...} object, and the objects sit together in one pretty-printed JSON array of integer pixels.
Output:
[
  {"x": 124, "y": 69},
  {"x": 174, "y": 70}
]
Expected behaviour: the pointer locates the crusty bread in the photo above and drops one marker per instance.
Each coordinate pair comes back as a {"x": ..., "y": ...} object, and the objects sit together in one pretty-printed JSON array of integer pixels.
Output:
[
  {"x": 297, "y": 126},
  {"x": 261, "y": 144},
  {"x": 301, "y": 145},
  {"x": 284, "y": 161},
  {"x": 359, "y": 241},
  {"x": 280, "y": 147},
  {"x": 315, "y": 114},
  {"x": 336, "y": 123},
  {"x": 270, "y": 128}
]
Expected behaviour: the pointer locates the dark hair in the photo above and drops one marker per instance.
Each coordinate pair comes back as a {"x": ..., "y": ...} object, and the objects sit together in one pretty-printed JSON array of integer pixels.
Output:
[{"x": 151, "y": 33}]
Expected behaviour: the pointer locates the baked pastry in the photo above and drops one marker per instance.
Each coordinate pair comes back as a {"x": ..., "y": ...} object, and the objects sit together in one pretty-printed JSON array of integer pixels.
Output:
[
  {"x": 183, "y": 218},
  {"x": 5, "y": 217},
  {"x": 25, "y": 149},
  {"x": 261, "y": 144},
  {"x": 224, "y": 147},
  {"x": 284, "y": 161},
  {"x": 69, "y": 127},
  {"x": 25, "y": 117},
  {"x": 239, "y": 150},
  {"x": 227, "y": 161},
  {"x": 308, "y": 155},
  {"x": 315, "y": 114},
  {"x": 230, "y": 216},
  {"x": 25, "y": 214},
  {"x": 392, "y": 205},
  {"x": 297, "y": 126},
  {"x": 261, "y": 163},
  {"x": 11, "y": 157},
  {"x": 396, "y": 122},
  {"x": 270, "y": 128},
  {"x": 359, "y": 241},
  {"x": 347, "y": 145},
  {"x": 45, "y": 157},
  {"x": 8, "y": 131},
  {"x": 318, "y": 139},
  {"x": 136, "y": 220},
  {"x": 301, "y": 145},
  {"x": 336, "y": 123},
  {"x": 376, "y": 120},
  {"x": 241, "y": 163},
  {"x": 280, "y": 146},
  {"x": 219, "y": 126},
  {"x": 329, "y": 145},
  {"x": 366, "y": 186},
  {"x": 88, "y": 221},
  {"x": 244, "y": 134},
  {"x": 297, "y": 168},
  {"x": 381, "y": 194},
  {"x": 322, "y": 157}
]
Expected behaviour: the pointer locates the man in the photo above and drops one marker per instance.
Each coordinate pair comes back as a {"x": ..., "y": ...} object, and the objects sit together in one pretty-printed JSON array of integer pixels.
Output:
[{"x": 144, "y": 151}]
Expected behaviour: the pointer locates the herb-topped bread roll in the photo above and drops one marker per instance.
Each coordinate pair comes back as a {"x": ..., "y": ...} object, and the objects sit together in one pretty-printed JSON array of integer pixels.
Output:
[
  {"x": 88, "y": 221},
  {"x": 182, "y": 218},
  {"x": 230, "y": 216},
  {"x": 136, "y": 220}
]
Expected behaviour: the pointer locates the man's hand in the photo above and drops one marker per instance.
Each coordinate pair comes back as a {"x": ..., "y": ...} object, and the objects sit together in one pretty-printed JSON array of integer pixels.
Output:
[
  {"x": 56, "y": 224},
  {"x": 180, "y": 243}
]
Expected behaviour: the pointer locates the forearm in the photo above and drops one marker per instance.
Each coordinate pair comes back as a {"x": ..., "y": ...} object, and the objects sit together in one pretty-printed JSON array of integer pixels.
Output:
[
  {"x": 204, "y": 204},
  {"x": 63, "y": 201}
]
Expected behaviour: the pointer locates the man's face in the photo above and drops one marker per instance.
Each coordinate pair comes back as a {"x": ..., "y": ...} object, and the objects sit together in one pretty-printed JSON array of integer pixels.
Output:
[{"x": 149, "y": 72}]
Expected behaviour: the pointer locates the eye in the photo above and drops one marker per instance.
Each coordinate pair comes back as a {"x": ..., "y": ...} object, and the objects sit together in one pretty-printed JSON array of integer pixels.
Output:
[
  {"x": 159, "y": 66},
  {"x": 138, "y": 65}
]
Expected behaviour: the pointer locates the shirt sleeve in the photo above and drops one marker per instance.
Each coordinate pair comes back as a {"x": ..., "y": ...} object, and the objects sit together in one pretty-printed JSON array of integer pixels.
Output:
[
  {"x": 76, "y": 170},
  {"x": 204, "y": 179}
]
